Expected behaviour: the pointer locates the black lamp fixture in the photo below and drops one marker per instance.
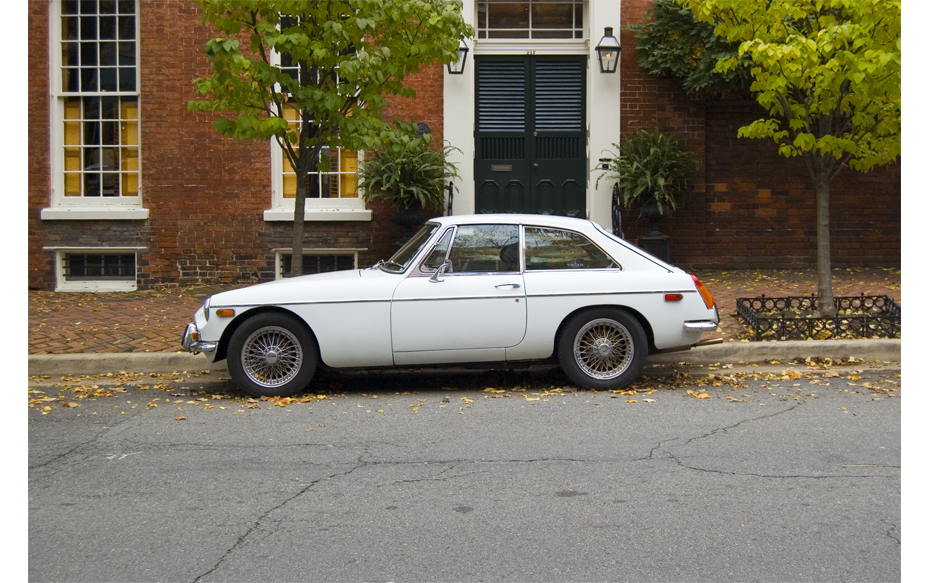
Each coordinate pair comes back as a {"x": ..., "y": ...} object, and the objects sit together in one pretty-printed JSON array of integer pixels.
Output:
[
  {"x": 608, "y": 51},
  {"x": 457, "y": 67}
]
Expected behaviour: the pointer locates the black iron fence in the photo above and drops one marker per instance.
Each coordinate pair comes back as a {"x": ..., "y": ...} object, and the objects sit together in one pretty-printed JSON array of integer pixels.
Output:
[{"x": 797, "y": 318}]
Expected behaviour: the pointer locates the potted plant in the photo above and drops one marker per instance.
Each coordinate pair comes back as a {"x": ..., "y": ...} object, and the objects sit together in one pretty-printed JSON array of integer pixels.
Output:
[
  {"x": 411, "y": 175},
  {"x": 651, "y": 171}
]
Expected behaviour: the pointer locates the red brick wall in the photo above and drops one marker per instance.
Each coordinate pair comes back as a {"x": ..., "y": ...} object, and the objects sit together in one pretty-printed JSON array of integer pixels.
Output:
[
  {"x": 750, "y": 207},
  {"x": 39, "y": 180},
  {"x": 205, "y": 193}
]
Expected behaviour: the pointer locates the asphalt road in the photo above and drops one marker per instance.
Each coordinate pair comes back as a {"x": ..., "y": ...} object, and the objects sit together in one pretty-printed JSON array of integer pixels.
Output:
[{"x": 778, "y": 474}]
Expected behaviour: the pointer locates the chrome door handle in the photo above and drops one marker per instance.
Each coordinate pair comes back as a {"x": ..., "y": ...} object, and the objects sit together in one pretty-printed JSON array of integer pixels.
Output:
[{"x": 513, "y": 285}]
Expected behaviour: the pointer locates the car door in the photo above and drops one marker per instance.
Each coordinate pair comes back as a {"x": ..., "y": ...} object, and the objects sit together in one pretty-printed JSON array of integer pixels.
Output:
[{"x": 476, "y": 302}]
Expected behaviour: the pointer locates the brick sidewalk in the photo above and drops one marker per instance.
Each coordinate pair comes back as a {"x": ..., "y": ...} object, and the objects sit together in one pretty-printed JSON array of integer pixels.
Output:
[{"x": 153, "y": 320}]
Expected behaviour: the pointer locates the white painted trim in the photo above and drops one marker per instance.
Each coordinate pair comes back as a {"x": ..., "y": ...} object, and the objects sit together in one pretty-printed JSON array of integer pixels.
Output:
[
  {"x": 335, "y": 214},
  {"x": 532, "y": 47},
  {"x": 91, "y": 213},
  {"x": 124, "y": 207},
  {"x": 97, "y": 286}
]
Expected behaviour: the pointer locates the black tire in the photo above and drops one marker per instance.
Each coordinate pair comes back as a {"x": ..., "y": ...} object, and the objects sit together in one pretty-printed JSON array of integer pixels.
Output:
[
  {"x": 603, "y": 349},
  {"x": 272, "y": 355}
]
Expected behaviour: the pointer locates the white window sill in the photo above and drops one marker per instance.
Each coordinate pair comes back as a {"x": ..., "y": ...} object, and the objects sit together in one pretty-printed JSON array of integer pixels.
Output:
[
  {"x": 96, "y": 286},
  {"x": 89, "y": 213},
  {"x": 319, "y": 215}
]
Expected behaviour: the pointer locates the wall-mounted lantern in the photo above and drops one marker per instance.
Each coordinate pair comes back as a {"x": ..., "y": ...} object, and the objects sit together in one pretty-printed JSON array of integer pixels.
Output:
[
  {"x": 457, "y": 67},
  {"x": 608, "y": 51}
]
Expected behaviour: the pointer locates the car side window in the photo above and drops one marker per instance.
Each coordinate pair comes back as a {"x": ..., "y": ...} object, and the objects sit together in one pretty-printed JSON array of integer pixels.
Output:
[
  {"x": 438, "y": 254},
  {"x": 485, "y": 249},
  {"x": 560, "y": 249}
]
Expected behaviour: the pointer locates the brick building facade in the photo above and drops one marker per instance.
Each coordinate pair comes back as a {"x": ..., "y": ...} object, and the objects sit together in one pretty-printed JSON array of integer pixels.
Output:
[{"x": 204, "y": 196}]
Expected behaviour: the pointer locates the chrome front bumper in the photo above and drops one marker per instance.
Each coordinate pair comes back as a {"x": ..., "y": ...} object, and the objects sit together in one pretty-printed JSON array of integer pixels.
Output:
[{"x": 192, "y": 343}]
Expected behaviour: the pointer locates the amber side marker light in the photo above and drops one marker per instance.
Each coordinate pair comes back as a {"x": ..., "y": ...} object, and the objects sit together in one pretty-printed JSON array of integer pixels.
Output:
[
  {"x": 705, "y": 293},
  {"x": 226, "y": 313}
]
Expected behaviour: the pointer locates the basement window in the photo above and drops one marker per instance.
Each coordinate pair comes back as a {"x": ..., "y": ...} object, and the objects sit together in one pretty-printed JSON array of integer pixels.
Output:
[
  {"x": 95, "y": 270},
  {"x": 317, "y": 263}
]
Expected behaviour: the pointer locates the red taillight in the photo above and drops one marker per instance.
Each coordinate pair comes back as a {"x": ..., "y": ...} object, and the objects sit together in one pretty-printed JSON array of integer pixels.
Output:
[{"x": 705, "y": 293}]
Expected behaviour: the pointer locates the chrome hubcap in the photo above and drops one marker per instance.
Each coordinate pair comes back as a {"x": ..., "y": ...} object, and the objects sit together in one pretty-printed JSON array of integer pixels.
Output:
[
  {"x": 272, "y": 356},
  {"x": 603, "y": 349}
]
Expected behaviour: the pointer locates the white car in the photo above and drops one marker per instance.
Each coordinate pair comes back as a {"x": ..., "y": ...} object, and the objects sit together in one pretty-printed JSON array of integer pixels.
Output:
[{"x": 464, "y": 289}]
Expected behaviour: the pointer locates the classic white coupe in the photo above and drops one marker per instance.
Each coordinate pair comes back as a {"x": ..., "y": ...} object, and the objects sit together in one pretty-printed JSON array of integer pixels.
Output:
[{"x": 464, "y": 289}]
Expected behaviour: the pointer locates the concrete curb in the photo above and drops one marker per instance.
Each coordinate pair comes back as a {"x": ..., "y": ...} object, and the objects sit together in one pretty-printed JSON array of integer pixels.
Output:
[
  {"x": 759, "y": 352},
  {"x": 726, "y": 353}
]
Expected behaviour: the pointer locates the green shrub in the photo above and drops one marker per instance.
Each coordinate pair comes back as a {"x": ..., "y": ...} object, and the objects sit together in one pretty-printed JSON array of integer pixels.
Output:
[
  {"x": 407, "y": 173},
  {"x": 651, "y": 165}
]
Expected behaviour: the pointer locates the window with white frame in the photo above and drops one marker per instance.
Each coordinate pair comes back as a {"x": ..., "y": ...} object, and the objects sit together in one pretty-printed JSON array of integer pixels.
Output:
[
  {"x": 96, "y": 269},
  {"x": 331, "y": 193},
  {"x": 95, "y": 108},
  {"x": 530, "y": 19}
]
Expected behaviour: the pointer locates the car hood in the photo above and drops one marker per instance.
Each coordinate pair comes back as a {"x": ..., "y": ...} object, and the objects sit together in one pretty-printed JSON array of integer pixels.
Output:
[{"x": 351, "y": 285}]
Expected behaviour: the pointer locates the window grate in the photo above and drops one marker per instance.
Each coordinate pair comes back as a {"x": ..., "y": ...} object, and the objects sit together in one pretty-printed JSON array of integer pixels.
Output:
[
  {"x": 99, "y": 266},
  {"x": 318, "y": 263}
]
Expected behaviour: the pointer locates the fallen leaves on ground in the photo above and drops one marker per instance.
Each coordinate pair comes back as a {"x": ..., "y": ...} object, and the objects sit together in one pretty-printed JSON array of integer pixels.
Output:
[{"x": 720, "y": 379}]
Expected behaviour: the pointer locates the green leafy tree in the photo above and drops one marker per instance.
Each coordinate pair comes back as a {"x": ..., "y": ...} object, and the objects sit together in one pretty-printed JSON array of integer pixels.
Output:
[
  {"x": 829, "y": 74},
  {"x": 329, "y": 64},
  {"x": 673, "y": 43}
]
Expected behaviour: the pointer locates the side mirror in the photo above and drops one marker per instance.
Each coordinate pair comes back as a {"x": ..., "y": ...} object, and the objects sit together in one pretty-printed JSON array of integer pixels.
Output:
[{"x": 442, "y": 269}]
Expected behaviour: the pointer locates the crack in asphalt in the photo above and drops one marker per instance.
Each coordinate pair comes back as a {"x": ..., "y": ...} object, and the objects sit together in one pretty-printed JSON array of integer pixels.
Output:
[
  {"x": 258, "y": 521},
  {"x": 104, "y": 431},
  {"x": 661, "y": 448},
  {"x": 891, "y": 533}
]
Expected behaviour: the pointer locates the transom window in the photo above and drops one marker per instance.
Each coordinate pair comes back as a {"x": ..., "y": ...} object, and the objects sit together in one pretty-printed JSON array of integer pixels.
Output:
[
  {"x": 530, "y": 19},
  {"x": 98, "y": 103}
]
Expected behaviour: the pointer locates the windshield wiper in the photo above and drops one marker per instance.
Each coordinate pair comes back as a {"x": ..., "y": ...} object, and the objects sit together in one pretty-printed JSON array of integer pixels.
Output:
[{"x": 383, "y": 264}]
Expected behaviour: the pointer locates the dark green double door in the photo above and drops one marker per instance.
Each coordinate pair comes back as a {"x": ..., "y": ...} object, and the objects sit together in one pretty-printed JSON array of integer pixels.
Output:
[{"x": 530, "y": 136}]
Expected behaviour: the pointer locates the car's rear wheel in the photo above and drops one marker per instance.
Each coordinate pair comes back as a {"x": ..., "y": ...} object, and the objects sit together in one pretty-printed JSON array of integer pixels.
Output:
[
  {"x": 603, "y": 349},
  {"x": 272, "y": 355}
]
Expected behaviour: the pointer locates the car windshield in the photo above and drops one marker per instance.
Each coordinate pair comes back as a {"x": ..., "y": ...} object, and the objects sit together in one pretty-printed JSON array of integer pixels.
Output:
[{"x": 401, "y": 260}]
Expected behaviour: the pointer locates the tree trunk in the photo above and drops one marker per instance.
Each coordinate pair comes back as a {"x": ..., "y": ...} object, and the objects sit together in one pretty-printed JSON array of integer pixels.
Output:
[
  {"x": 825, "y": 305},
  {"x": 297, "y": 240}
]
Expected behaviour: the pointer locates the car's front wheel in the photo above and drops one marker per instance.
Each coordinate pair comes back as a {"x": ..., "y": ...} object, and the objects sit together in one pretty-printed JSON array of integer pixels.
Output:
[
  {"x": 272, "y": 355},
  {"x": 603, "y": 349}
]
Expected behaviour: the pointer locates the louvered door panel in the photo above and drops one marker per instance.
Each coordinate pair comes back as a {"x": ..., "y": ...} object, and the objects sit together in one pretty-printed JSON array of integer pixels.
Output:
[{"x": 529, "y": 139}]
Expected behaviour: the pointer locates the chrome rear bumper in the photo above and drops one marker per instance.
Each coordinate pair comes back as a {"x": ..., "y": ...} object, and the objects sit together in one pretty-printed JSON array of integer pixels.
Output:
[
  {"x": 701, "y": 326},
  {"x": 192, "y": 343}
]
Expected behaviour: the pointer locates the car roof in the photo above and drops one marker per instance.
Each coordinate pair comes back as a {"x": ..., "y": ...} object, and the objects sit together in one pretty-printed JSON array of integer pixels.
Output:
[{"x": 514, "y": 218}]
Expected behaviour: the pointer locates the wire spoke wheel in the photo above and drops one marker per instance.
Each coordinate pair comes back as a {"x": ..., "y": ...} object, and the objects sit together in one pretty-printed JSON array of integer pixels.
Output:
[
  {"x": 603, "y": 349},
  {"x": 271, "y": 356}
]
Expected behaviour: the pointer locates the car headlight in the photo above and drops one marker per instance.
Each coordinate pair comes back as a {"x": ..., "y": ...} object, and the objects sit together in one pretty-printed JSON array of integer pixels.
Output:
[{"x": 206, "y": 308}]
